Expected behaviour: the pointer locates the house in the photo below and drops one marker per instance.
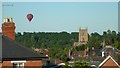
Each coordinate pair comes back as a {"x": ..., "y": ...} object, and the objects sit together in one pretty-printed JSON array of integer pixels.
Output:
[
  {"x": 98, "y": 55},
  {"x": 108, "y": 50},
  {"x": 109, "y": 62},
  {"x": 13, "y": 54},
  {"x": 94, "y": 52}
]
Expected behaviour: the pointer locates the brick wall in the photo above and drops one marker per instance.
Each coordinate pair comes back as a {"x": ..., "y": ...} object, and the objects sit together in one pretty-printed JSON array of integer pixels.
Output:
[
  {"x": 27, "y": 64},
  {"x": 7, "y": 64},
  {"x": 33, "y": 64},
  {"x": 0, "y": 65}
]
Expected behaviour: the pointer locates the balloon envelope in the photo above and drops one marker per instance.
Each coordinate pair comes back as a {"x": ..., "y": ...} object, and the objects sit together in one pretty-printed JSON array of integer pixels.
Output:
[{"x": 29, "y": 17}]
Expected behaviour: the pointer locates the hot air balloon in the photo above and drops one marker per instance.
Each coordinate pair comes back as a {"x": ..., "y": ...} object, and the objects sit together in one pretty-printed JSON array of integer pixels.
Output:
[{"x": 29, "y": 17}]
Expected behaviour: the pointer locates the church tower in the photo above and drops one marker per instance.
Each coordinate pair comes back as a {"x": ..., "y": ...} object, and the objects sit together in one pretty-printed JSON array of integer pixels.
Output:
[
  {"x": 83, "y": 36},
  {"x": 8, "y": 28}
]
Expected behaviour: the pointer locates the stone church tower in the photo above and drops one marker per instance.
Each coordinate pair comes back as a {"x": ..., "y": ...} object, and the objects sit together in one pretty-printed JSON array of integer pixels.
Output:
[
  {"x": 8, "y": 28},
  {"x": 83, "y": 36}
]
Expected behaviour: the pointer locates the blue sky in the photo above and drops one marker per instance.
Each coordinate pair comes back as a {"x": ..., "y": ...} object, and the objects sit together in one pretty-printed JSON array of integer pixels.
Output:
[
  {"x": 119, "y": 17},
  {"x": 63, "y": 16},
  {"x": 59, "y": 0}
]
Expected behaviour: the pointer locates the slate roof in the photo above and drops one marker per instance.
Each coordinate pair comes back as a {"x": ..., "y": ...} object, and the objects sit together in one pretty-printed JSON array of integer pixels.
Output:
[
  {"x": 109, "y": 48},
  {"x": 96, "y": 63},
  {"x": 12, "y": 50}
]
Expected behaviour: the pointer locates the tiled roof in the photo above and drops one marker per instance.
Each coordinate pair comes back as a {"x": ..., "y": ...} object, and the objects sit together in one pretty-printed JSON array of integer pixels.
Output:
[
  {"x": 106, "y": 61},
  {"x": 12, "y": 50}
]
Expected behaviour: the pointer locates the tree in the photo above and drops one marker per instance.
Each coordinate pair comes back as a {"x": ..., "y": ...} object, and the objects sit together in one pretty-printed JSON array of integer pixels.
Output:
[
  {"x": 81, "y": 64},
  {"x": 94, "y": 40},
  {"x": 81, "y": 48},
  {"x": 117, "y": 45}
]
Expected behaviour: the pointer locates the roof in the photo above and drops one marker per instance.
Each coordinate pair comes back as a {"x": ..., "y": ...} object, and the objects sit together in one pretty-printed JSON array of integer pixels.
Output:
[
  {"x": 95, "y": 63},
  {"x": 12, "y": 50},
  {"x": 109, "y": 48},
  {"x": 96, "y": 51},
  {"x": 109, "y": 57}
]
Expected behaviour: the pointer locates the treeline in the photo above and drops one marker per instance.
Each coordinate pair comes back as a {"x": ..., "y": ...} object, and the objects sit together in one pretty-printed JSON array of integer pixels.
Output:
[
  {"x": 64, "y": 39},
  {"x": 47, "y": 40},
  {"x": 107, "y": 38},
  {"x": 59, "y": 44}
]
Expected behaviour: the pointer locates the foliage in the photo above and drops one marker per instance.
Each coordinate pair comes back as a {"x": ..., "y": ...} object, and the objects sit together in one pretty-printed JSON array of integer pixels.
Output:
[
  {"x": 81, "y": 64},
  {"x": 59, "y": 44},
  {"x": 81, "y": 48},
  {"x": 78, "y": 64}
]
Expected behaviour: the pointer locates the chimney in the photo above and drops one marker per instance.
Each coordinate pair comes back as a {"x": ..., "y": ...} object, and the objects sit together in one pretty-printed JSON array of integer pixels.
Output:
[
  {"x": 103, "y": 53},
  {"x": 8, "y": 28},
  {"x": 69, "y": 53}
]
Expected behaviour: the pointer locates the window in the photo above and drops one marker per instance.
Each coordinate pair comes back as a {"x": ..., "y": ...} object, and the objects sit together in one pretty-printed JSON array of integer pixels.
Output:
[{"x": 18, "y": 64}]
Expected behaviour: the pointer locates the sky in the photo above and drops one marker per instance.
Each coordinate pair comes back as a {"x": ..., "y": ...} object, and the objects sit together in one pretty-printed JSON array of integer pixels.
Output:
[
  {"x": 119, "y": 16},
  {"x": 62, "y": 16},
  {"x": 59, "y": 0}
]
